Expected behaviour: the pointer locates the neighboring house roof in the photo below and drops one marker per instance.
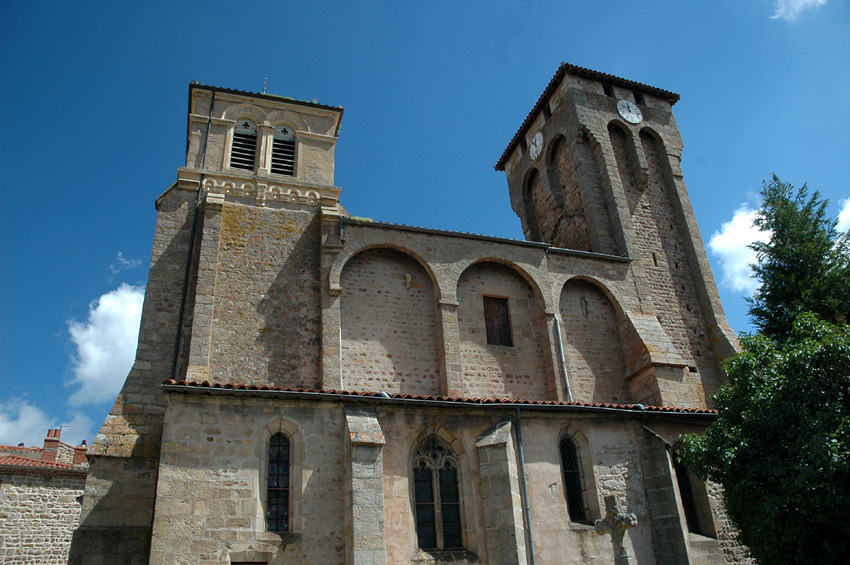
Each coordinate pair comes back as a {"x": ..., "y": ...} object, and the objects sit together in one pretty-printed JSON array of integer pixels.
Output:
[
  {"x": 414, "y": 398},
  {"x": 567, "y": 68},
  {"x": 21, "y": 449},
  {"x": 17, "y": 465}
]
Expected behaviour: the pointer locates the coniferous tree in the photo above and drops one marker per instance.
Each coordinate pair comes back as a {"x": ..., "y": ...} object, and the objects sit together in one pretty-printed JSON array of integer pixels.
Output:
[{"x": 805, "y": 265}]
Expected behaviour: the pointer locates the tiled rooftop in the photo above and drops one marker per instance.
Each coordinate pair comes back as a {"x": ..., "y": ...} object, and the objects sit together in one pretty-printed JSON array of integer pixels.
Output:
[
  {"x": 447, "y": 399},
  {"x": 18, "y": 461}
]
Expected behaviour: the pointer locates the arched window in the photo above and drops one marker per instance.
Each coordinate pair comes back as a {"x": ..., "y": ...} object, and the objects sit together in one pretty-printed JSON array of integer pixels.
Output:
[
  {"x": 243, "y": 152},
  {"x": 436, "y": 495},
  {"x": 572, "y": 481},
  {"x": 277, "y": 513},
  {"x": 283, "y": 151},
  {"x": 686, "y": 492}
]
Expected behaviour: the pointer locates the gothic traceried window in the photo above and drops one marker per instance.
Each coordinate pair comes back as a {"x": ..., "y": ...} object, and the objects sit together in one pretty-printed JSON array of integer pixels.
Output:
[
  {"x": 572, "y": 481},
  {"x": 277, "y": 512},
  {"x": 243, "y": 152},
  {"x": 436, "y": 496}
]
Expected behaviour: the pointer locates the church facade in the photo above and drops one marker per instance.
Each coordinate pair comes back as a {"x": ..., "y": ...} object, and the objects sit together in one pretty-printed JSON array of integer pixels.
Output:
[{"x": 311, "y": 387}]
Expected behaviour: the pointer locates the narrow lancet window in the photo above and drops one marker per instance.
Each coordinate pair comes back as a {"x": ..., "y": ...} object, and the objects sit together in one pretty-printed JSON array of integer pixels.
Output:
[
  {"x": 277, "y": 514},
  {"x": 572, "y": 481},
  {"x": 686, "y": 492}
]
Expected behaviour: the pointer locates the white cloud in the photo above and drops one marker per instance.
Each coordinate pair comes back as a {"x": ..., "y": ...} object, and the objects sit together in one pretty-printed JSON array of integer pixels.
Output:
[
  {"x": 21, "y": 421},
  {"x": 730, "y": 247},
  {"x": 844, "y": 216},
  {"x": 121, "y": 264},
  {"x": 106, "y": 345},
  {"x": 789, "y": 10}
]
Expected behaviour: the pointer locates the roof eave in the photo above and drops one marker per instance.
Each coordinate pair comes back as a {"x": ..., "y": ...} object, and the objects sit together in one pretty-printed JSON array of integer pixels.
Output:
[{"x": 563, "y": 70}]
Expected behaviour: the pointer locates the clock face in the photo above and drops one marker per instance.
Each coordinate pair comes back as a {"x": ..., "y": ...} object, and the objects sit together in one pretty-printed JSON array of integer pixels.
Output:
[
  {"x": 536, "y": 146},
  {"x": 629, "y": 111}
]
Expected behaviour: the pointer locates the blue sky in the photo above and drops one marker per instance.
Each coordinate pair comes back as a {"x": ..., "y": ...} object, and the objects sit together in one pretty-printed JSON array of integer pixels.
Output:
[{"x": 93, "y": 97}]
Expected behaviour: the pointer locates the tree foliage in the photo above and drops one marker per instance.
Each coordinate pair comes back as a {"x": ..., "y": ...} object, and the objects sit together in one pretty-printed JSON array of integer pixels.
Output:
[
  {"x": 804, "y": 267},
  {"x": 781, "y": 444}
]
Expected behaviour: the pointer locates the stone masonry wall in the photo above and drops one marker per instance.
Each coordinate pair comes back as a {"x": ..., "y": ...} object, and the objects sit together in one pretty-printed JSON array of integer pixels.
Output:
[
  {"x": 659, "y": 247},
  {"x": 211, "y": 489},
  {"x": 38, "y": 515},
  {"x": 678, "y": 293},
  {"x": 389, "y": 328},
  {"x": 592, "y": 346},
  {"x": 572, "y": 226},
  {"x": 496, "y": 370},
  {"x": 267, "y": 315},
  {"x": 544, "y": 211}
]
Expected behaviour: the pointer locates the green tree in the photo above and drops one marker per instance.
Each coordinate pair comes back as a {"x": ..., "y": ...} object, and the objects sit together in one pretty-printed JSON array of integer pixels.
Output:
[
  {"x": 781, "y": 444},
  {"x": 804, "y": 267}
]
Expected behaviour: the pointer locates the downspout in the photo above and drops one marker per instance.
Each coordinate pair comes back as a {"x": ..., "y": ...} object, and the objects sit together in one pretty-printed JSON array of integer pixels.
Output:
[
  {"x": 341, "y": 384},
  {"x": 525, "y": 512},
  {"x": 562, "y": 359},
  {"x": 182, "y": 310}
]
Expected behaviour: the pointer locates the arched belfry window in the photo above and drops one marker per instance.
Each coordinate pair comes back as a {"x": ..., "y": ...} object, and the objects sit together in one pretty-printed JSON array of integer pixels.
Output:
[
  {"x": 277, "y": 512},
  {"x": 283, "y": 151},
  {"x": 436, "y": 495},
  {"x": 243, "y": 152},
  {"x": 573, "y": 491}
]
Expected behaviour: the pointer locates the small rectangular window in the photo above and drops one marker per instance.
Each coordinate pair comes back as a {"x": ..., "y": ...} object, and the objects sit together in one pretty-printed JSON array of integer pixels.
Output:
[{"x": 497, "y": 321}]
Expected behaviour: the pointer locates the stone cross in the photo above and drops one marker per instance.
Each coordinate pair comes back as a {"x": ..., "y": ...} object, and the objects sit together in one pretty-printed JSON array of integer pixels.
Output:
[{"x": 616, "y": 522}]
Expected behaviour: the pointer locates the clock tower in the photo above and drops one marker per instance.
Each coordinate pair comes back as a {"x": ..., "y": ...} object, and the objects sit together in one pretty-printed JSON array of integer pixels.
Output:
[{"x": 595, "y": 168}]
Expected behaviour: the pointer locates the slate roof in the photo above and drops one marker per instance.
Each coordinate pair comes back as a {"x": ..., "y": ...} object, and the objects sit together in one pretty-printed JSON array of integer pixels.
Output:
[
  {"x": 598, "y": 406},
  {"x": 567, "y": 68}
]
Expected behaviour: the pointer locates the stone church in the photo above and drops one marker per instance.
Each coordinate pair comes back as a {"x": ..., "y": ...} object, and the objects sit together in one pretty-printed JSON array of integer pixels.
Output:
[{"x": 310, "y": 387}]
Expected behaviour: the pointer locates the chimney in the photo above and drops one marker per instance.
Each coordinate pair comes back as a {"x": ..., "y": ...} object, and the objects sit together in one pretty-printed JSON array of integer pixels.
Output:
[
  {"x": 51, "y": 446},
  {"x": 80, "y": 454}
]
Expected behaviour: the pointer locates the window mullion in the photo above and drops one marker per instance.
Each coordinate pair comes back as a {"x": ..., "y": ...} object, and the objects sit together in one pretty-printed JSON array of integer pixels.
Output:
[{"x": 438, "y": 510}]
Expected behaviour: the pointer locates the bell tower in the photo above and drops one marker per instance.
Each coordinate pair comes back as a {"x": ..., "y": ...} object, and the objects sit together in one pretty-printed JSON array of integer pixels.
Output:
[{"x": 595, "y": 167}]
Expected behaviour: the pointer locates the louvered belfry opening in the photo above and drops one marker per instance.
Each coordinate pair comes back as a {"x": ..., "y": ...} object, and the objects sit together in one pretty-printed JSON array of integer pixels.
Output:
[
  {"x": 283, "y": 151},
  {"x": 243, "y": 152}
]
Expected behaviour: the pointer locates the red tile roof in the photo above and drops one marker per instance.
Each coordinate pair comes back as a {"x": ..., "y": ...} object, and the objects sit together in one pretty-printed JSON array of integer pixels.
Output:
[
  {"x": 446, "y": 399},
  {"x": 20, "y": 448},
  {"x": 564, "y": 69},
  {"x": 17, "y": 465}
]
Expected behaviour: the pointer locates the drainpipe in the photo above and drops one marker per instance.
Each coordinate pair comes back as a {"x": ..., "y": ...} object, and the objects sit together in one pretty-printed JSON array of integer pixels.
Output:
[
  {"x": 341, "y": 384},
  {"x": 191, "y": 245},
  {"x": 562, "y": 359},
  {"x": 529, "y": 537}
]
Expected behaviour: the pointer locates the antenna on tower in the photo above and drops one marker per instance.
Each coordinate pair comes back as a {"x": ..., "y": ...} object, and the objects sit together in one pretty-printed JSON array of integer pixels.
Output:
[{"x": 265, "y": 82}]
